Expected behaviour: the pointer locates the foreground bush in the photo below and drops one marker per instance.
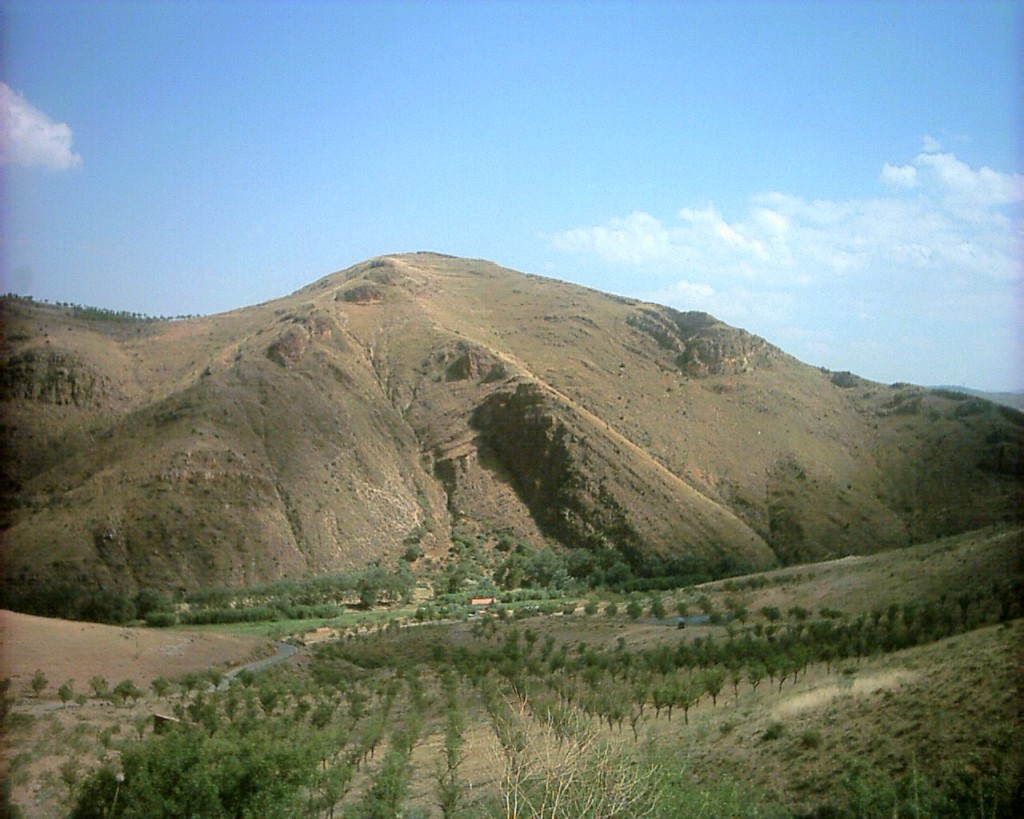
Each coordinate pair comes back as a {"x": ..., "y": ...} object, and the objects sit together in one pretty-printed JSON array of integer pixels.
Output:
[{"x": 188, "y": 773}]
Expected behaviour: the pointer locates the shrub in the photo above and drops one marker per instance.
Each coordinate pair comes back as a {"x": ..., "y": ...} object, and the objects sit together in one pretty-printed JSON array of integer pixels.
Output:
[
  {"x": 161, "y": 619},
  {"x": 810, "y": 739}
]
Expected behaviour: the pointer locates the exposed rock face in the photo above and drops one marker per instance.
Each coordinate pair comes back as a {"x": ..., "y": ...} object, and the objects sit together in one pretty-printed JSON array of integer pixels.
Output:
[
  {"x": 538, "y": 453},
  {"x": 465, "y": 362},
  {"x": 703, "y": 345},
  {"x": 52, "y": 377},
  {"x": 422, "y": 395}
]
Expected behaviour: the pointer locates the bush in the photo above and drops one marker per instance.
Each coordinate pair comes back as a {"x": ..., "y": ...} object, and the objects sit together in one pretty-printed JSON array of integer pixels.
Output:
[
  {"x": 810, "y": 739},
  {"x": 187, "y": 773},
  {"x": 161, "y": 619}
]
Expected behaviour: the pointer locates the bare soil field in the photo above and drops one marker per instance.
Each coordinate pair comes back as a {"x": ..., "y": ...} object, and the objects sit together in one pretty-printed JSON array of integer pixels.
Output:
[
  {"x": 44, "y": 735},
  {"x": 62, "y": 649}
]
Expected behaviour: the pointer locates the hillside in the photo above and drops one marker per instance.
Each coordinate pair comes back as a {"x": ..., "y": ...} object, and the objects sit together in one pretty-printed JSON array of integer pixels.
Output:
[
  {"x": 1009, "y": 399},
  {"x": 416, "y": 396}
]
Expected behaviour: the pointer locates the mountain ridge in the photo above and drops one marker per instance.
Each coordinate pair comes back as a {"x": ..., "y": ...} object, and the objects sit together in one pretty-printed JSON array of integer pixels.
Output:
[{"x": 416, "y": 396}]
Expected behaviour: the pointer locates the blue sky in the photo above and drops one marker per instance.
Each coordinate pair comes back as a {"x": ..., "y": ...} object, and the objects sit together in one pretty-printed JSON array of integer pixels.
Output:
[{"x": 841, "y": 178}]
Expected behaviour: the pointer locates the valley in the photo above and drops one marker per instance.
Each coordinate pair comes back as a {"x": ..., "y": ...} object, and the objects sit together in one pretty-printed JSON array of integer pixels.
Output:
[
  {"x": 541, "y": 551},
  {"x": 855, "y": 687}
]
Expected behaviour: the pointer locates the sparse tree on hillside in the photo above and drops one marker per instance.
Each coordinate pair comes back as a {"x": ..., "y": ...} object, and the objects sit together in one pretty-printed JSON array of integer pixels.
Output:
[
  {"x": 161, "y": 686},
  {"x": 755, "y": 673},
  {"x": 38, "y": 683},
  {"x": 736, "y": 677},
  {"x": 661, "y": 697},
  {"x": 391, "y": 781},
  {"x": 190, "y": 682},
  {"x": 688, "y": 691},
  {"x": 640, "y": 691},
  {"x": 127, "y": 690},
  {"x": 450, "y": 788},
  {"x": 714, "y": 679}
]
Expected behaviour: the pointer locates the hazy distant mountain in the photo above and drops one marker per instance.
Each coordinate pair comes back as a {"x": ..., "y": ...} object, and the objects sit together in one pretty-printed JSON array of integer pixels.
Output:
[
  {"x": 1007, "y": 399},
  {"x": 416, "y": 396}
]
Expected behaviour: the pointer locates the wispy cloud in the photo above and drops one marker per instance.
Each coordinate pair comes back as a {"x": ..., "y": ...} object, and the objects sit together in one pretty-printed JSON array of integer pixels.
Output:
[
  {"x": 935, "y": 248},
  {"x": 30, "y": 138}
]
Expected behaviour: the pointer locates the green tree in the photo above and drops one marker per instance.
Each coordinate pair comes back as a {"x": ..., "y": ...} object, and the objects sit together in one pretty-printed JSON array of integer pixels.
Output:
[
  {"x": 161, "y": 686},
  {"x": 184, "y": 772},
  {"x": 149, "y": 600},
  {"x": 127, "y": 690},
  {"x": 391, "y": 782},
  {"x": 687, "y": 693},
  {"x": 714, "y": 679},
  {"x": 38, "y": 683},
  {"x": 450, "y": 788},
  {"x": 736, "y": 677},
  {"x": 190, "y": 682},
  {"x": 66, "y": 692},
  {"x": 269, "y": 695},
  {"x": 369, "y": 588}
]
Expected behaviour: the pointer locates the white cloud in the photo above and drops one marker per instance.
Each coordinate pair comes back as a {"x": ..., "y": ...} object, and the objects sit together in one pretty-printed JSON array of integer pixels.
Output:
[
  {"x": 30, "y": 137},
  {"x": 957, "y": 220},
  {"x": 935, "y": 250},
  {"x": 635, "y": 239},
  {"x": 904, "y": 176},
  {"x": 982, "y": 188},
  {"x": 930, "y": 144}
]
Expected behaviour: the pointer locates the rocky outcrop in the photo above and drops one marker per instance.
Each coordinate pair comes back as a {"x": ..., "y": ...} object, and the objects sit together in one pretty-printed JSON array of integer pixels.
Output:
[
  {"x": 52, "y": 377},
  {"x": 543, "y": 458},
  {"x": 701, "y": 344}
]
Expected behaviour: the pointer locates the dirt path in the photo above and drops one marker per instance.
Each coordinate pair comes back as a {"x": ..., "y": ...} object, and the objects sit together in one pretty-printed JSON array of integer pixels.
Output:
[{"x": 283, "y": 652}]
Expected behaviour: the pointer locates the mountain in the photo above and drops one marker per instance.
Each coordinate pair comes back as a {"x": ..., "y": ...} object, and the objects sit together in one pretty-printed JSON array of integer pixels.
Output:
[
  {"x": 1008, "y": 399},
  {"x": 415, "y": 397}
]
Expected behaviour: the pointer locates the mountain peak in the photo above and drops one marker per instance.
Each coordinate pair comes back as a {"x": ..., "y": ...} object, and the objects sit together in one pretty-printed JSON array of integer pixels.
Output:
[{"x": 420, "y": 396}]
